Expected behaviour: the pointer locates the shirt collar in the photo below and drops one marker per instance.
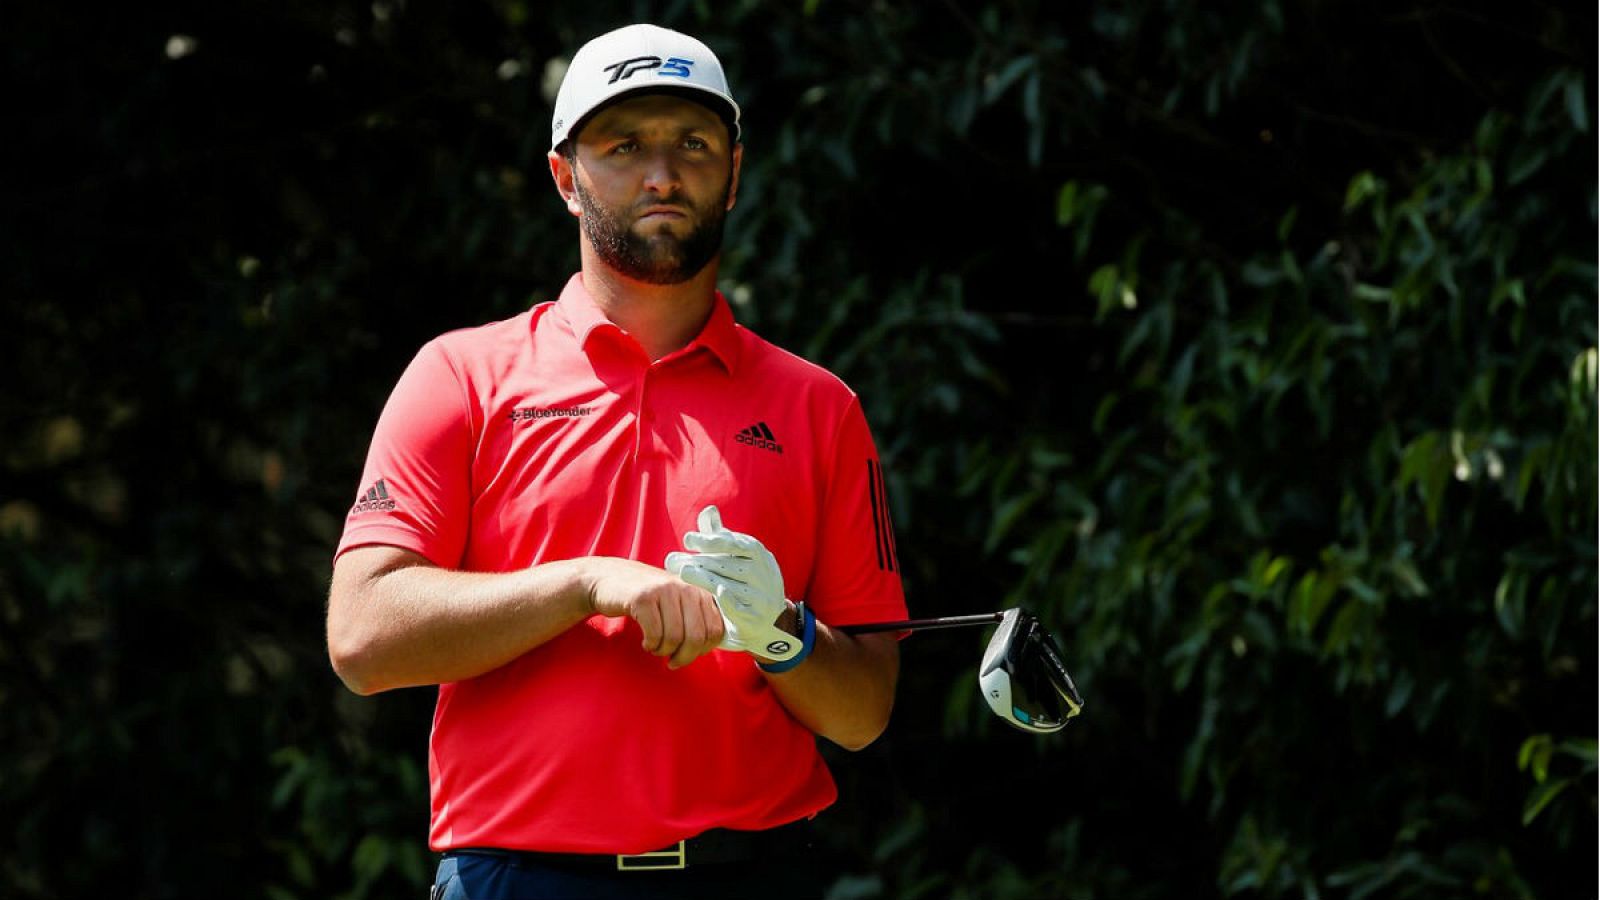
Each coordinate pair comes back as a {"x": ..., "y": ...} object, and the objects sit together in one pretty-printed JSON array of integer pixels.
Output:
[{"x": 720, "y": 335}]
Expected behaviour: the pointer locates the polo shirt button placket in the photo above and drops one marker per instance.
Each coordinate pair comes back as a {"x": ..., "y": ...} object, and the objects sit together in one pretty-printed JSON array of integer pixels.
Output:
[
  {"x": 644, "y": 419},
  {"x": 650, "y": 442}
]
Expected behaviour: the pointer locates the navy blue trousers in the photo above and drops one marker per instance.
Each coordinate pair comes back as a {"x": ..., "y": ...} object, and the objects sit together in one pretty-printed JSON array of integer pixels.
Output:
[{"x": 473, "y": 876}]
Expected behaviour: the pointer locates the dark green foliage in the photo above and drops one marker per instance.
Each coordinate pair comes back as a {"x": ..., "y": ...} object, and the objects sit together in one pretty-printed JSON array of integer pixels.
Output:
[{"x": 1252, "y": 345}]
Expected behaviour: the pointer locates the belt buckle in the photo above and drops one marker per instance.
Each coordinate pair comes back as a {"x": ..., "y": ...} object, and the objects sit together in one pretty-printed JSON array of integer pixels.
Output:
[{"x": 654, "y": 861}]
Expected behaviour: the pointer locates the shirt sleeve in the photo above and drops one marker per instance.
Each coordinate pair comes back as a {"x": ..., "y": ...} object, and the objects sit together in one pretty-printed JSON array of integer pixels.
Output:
[
  {"x": 857, "y": 577},
  {"x": 415, "y": 490}
]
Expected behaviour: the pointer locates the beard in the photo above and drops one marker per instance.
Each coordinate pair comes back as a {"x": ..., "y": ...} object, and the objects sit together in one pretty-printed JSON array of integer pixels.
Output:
[{"x": 660, "y": 258}]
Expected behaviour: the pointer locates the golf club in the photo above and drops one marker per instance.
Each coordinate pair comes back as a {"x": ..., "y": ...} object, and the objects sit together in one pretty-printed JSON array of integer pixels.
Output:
[{"x": 1022, "y": 676}]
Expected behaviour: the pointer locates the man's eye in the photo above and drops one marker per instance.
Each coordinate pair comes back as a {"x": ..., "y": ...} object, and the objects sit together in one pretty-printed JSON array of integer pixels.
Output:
[
  {"x": 625, "y": 147},
  {"x": 695, "y": 143}
]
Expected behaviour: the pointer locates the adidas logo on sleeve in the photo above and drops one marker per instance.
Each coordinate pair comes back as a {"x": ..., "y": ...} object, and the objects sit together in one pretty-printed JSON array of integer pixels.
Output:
[
  {"x": 760, "y": 437},
  {"x": 377, "y": 499}
]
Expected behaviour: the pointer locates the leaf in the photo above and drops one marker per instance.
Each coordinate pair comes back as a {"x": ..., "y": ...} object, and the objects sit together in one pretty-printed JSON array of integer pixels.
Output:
[
  {"x": 1260, "y": 274},
  {"x": 300, "y": 866},
  {"x": 1182, "y": 372},
  {"x": 904, "y": 835},
  {"x": 1343, "y": 627},
  {"x": 1006, "y": 516},
  {"x": 1548, "y": 615},
  {"x": 996, "y": 85},
  {"x": 1291, "y": 268},
  {"x": 1311, "y": 597},
  {"x": 413, "y": 861},
  {"x": 1364, "y": 878},
  {"x": 1105, "y": 285},
  {"x": 1364, "y": 592},
  {"x": 1426, "y": 463},
  {"x": 1577, "y": 105},
  {"x": 1508, "y": 289},
  {"x": 1510, "y": 600},
  {"x": 1373, "y": 293},
  {"x": 1534, "y": 757},
  {"x": 1102, "y": 412},
  {"x": 1399, "y": 694},
  {"x": 1582, "y": 749},
  {"x": 1079, "y": 203},
  {"x": 1286, "y": 224},
  {"x": 1275, "y": 570},
  {"x": 1067, "y": 203},
  {"x": 371, "y": 857},
  {"x": 1535, "y": 458},
  {"x": 289, "y": 782},
  {"x": 1526, "y": 160},
  {"x": 1540, "y": 797},
  {"x": 1184, "y": 657},
  {"x": 1585, "y": 371},
  {"x": 1409, "y": 579},
  {"x": 1531, "y": 747},
  {"x": 961, "y": 110},
  {"x": 1362, "y": 186}
]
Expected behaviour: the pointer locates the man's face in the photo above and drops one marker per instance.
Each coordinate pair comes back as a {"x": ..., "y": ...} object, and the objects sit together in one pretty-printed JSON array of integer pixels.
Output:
[{"x": 654, "y": 180}]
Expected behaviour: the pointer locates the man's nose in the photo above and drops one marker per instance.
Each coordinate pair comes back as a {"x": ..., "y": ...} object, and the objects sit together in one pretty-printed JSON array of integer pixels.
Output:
[{"x": 661, "y": 172}]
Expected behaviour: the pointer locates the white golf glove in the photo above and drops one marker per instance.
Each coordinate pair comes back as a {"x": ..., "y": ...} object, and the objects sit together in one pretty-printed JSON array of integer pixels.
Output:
[{"x": 744, "y": 578}]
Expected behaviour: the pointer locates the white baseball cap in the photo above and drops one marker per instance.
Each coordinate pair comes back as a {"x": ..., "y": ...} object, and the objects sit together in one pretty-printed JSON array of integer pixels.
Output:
[{"x": 640, "y": 58}]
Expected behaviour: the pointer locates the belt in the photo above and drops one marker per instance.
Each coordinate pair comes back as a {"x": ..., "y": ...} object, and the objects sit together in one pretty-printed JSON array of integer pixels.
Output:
[{"x": 717, "y": 846}]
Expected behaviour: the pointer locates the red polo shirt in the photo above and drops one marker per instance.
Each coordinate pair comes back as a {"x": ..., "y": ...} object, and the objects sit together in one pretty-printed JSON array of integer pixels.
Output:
[{"x": 552, "y": 435}]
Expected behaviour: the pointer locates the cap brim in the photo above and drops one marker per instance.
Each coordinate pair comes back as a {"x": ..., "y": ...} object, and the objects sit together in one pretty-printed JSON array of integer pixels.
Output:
[{"x": 706, "y": 97}]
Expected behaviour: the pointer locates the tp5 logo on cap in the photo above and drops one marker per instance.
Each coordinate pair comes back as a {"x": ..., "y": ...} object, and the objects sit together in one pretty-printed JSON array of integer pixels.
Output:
[
  {"x": 626, "y": 68},
  {"x": 604, "y": 69}
]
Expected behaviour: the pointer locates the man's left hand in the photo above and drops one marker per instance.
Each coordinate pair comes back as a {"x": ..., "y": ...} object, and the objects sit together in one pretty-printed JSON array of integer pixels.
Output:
[{"x": 745, "y": 579}]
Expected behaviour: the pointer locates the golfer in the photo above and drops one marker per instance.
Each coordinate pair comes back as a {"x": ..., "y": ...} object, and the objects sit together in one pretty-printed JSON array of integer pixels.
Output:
[{"x": 620, "y": 531}]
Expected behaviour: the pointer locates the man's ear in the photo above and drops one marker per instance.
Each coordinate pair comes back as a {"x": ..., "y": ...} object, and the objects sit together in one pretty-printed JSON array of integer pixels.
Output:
[
  {"x": 563, "y": 171},
  {"x": 733, "y": 184}
]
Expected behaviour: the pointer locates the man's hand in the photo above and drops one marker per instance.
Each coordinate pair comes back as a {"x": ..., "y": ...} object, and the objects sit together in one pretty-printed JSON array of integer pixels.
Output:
[
  {"x": 679, "y": 620},
  {"x": 746, "y": 582}
]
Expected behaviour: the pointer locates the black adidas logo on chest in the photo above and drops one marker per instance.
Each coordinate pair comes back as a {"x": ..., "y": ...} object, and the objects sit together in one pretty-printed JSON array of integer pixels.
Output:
[{"x": 760, "y": 437}]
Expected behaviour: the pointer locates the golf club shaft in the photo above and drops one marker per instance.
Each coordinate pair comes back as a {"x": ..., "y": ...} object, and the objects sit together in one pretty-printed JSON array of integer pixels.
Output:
[{"x": 922, "y": 624}]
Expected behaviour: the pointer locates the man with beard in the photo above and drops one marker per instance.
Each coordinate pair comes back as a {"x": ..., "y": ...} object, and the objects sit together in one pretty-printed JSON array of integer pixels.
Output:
[{"x": 629, "y": 690}]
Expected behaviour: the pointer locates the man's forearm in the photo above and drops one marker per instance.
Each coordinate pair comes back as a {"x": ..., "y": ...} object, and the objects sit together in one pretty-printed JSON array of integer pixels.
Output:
[
  {"x": 417, "y": 624},
  {"x": 397, "y": 620},
  {"x": 845, "y": 690}
]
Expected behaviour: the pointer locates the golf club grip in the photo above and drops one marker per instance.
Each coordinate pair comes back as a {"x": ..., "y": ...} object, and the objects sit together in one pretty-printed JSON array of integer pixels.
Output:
[{"x": 922, "y": 624}]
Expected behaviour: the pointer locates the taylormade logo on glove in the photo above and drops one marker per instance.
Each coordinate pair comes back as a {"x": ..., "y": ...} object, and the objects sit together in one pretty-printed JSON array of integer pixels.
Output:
[{"x": 744, "y": 578}]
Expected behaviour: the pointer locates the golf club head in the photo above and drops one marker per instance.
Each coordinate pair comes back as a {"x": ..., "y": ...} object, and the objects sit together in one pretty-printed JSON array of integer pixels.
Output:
[{"x": 1023, "y": 678}]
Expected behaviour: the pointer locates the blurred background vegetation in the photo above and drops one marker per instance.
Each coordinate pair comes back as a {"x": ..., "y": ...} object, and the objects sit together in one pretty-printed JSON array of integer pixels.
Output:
[{"x": 1250, "y": 344}]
